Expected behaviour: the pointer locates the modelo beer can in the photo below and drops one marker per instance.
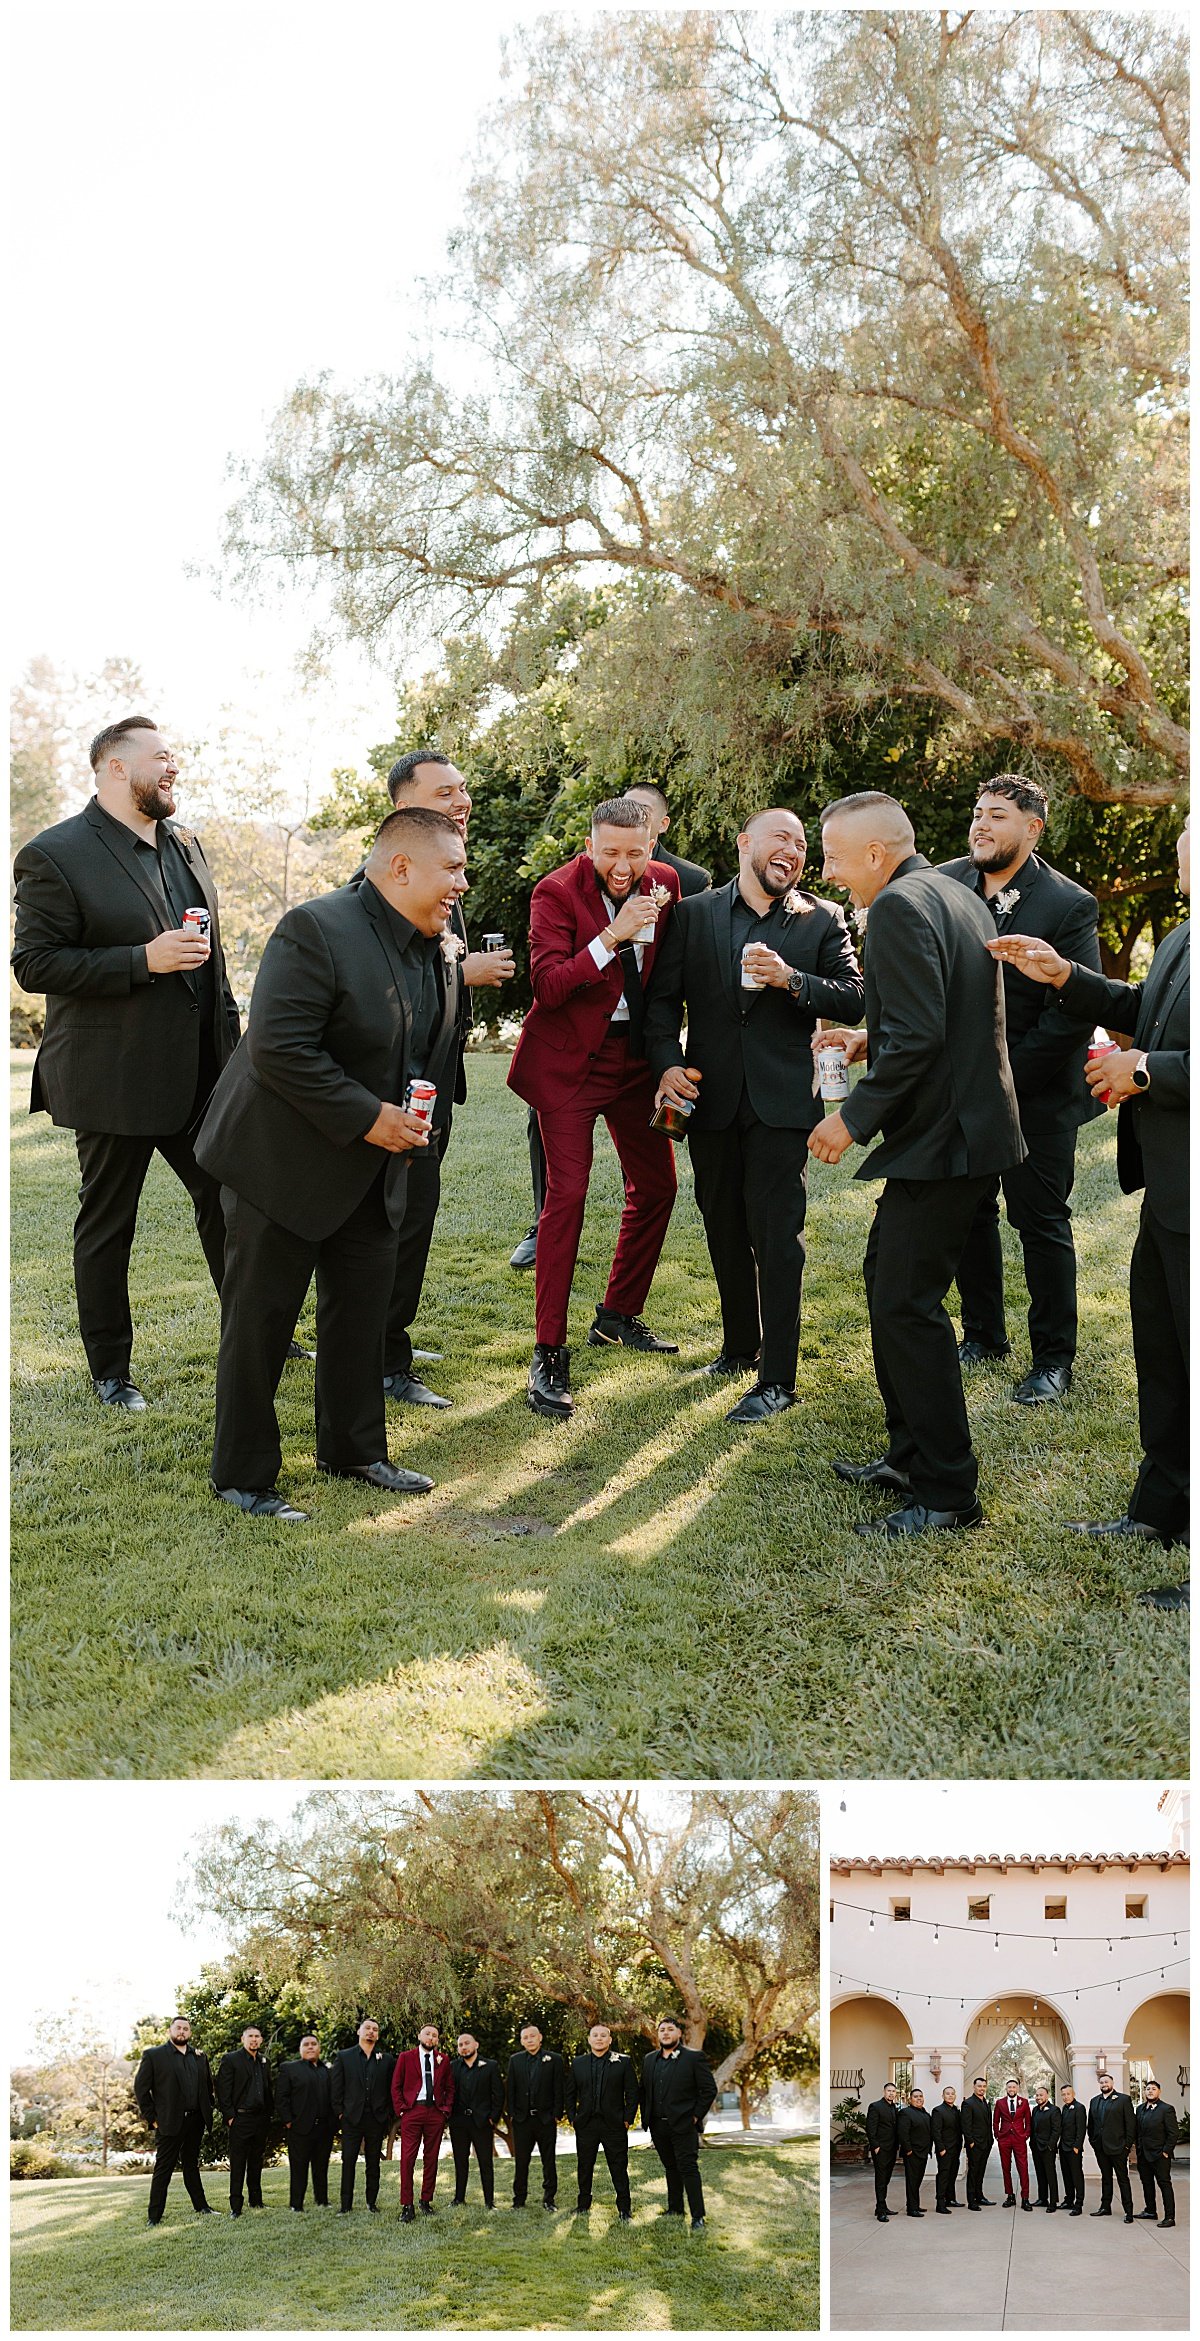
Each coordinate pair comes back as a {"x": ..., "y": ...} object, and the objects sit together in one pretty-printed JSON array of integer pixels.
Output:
[
  {"x": 833, "y": 1077},
  {"x": 199, "y": 921},
  {"x": 493, "y": 943},
  {"x": 420, "y": 1097}
]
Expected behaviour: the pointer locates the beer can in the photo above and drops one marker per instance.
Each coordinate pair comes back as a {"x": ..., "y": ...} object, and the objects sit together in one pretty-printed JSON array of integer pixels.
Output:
[
  {"x": 420, "y": 1098},
  {"x": 833, "y": 1077},
  {"x": 494, "y": 943},
  {"x": 200, "y": 922},
  {"x": 1101, "y": 1046},
  {"x": 750, "y": 983}
]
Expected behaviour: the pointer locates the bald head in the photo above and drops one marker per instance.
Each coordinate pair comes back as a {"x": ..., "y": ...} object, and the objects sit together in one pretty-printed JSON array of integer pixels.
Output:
[
  {"x": 864, "y": 839},
  {"x": 770, "y": 856}
]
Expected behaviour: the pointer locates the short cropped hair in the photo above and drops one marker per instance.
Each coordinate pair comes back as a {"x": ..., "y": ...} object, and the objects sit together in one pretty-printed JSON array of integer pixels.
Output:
[
  {"x": 860, "y": 802},
  {"x": 619, "y": 813},
  {"x": 650, "y": 788},
  {"x": 412, "y": 825},
  {"x": 669, "y": 2018},
  {"x": 1024, "y": 793},
  {"x": 403, "y": 769},
  {"x": 113, "y": 733}
]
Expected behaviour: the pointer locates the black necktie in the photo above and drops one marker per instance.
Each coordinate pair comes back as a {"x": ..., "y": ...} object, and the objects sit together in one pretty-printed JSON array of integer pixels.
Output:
[
  {"x": 631, "y": 984},
  {"x": 428, "y": 2078}
]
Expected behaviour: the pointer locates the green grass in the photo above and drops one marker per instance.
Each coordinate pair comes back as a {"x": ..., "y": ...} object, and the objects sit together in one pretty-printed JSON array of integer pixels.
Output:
[
  {"x": 84, "y": 2257},
  {"x": 643, "y": 1593}
]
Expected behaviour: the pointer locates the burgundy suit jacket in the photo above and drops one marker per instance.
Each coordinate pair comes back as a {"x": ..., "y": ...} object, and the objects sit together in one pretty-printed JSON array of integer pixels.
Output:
[
  {"x": 573, "y": 999},
  {"x": 408, "y": 2078},
  {"x": 1020, "y": 2123}
]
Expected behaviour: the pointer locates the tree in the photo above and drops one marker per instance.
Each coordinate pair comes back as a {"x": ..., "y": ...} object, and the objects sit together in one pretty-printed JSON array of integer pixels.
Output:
[
  {"x": 84, "y": 2084},
  {"x": 852, "y": 341}
]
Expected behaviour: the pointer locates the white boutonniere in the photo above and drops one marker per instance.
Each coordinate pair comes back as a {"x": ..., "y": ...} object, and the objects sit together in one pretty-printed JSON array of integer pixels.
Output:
[
  {"x": 659, "y": 895},
  {"x": 452, "y": 947},
  {"x": 858, "y": 919},
  {"x": 797, "y": 903},
  {"x": 615, "y": 2057},
  {"x": 1005, "y": 904},
  {"x": 185, "y": 836}
]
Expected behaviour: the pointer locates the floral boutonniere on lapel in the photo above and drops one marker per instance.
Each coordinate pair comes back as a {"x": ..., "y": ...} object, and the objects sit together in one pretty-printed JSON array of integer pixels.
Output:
[
  {"x": 1004, "y": 904},
  {"x": 187, "y": 837},
  {"x": 452, "y": 948},
  {"x": 858, "y": 920},
  {"x": 660, "y": 896},
  {"x": 615, "y": 2057},
  {"x": 797, "y": 903}
]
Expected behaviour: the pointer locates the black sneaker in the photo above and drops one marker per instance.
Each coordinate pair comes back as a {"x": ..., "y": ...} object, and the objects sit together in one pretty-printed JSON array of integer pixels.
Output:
[
  {"x": 549, "y": 1387},
  {"x": 609, "y": 1330}
]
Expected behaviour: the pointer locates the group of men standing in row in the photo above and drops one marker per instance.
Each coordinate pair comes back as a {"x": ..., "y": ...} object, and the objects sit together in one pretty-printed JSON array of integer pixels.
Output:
[
  {"x": 366, "y": 2093},
  {"x": 302, "y": 1154},
  {"x": 1054, "y": 2134}
]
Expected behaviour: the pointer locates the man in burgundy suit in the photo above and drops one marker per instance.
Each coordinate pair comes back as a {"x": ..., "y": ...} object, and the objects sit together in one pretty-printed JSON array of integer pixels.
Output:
[
  {"x": 593, "y": 935},
  {"x": 423, "y": 2097},
  {"x": 1011, "y": 2124}
]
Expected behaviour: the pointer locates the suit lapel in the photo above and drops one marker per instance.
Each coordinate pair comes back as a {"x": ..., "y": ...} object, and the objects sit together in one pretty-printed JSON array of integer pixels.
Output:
[
  {"x": 119, "y": 841},
  {"x": 1162, "y": 972},
  {"x": 721, "y": 898},
  {"x": 372, "y": 909}
]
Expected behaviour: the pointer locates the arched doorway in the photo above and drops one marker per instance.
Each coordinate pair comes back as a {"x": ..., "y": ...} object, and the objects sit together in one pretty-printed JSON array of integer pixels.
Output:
[
  {"x": 870, "y": 2043},
  {"x": 1021, "y": 2034},
  {"x": 1157, "y": 2037}
]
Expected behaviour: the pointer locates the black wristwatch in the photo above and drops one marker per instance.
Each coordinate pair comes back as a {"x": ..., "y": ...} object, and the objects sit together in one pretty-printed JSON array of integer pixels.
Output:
[{"x": 797, "y": 983}]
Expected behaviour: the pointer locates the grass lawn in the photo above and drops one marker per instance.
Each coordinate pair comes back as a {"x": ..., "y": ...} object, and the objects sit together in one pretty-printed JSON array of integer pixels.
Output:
[
  {"x": 84, "y": 2257},
  {"x": 645, "y": 1592}
]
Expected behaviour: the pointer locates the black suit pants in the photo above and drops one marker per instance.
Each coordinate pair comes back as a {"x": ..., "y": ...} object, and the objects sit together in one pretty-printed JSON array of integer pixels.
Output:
[
  {"x": 423, "y": 1195},
  {"x": 179, "y": 2151},
  {"x": 591, "y": 2133},
  {"x": 1037, "y": 1200},
  {"x": 365, "y": 2138},
  {"x": 677, "y": 2145},
  {"x": 540, "y": 2130},
  {"x": 1114, "y": 2166},
  {"x": 751, "y": 1189},
  {"x": 464, "y": 2135},
  {"x": 914, "y": 2172},
  {"x": 945, "y": 2176},
  {"x": 884, "y": 2161},
  {"x": 1070, "y": 2162},
  {"x": 1046, "y": 2170},
  {"x": 112, "y": 1174},
  {"x": 308, "y": 2156},
  {"x": 1158, "y": 1301},
  {"x": 247, "y": 2144},
  {"x": 913, "y": 1252},
  {"x": 266, "y": 1277},
  {"x": 978, "y": 2157},
  {"x": 1155, "y": 2170}
]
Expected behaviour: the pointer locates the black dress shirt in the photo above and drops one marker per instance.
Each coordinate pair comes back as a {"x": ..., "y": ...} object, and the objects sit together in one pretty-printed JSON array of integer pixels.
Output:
[
  {"x": 189, "y": 2080},
  {"x": 420, "y": 954}
]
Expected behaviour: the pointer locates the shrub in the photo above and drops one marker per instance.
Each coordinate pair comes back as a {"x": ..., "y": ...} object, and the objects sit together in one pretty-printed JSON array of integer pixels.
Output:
[{"x": 28, "y": 2159}]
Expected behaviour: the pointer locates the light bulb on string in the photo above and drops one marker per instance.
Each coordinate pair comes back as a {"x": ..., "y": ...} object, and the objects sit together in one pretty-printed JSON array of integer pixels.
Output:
[
  {"x": 871, "y": 1924},
  {"x": 1056, "y": 1946},
  {"x": 935, "y": 1934},
  {"x": 995, "y": 1942}
]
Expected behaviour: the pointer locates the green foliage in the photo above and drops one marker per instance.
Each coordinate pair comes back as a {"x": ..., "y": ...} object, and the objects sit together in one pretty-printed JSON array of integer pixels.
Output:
[{"x": 28, "y": 2160}]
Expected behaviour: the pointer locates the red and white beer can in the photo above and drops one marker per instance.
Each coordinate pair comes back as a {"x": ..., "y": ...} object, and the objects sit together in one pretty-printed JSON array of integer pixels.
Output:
[
  {"x": 420, "y": 1098},
  {"x": 199, "y": 922},
  {"x": 1101, "y": 1046}
]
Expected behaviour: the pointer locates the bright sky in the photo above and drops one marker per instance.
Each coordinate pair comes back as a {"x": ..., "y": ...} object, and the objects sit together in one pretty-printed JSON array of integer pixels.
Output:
[
  {"x": 993, "y": 1816},
  {"x": 211, "y": 203},
  {"x": 104, "y": 1861}
]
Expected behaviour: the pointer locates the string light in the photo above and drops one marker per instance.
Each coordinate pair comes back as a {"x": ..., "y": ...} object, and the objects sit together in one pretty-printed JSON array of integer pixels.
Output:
[{"x": 1012, "y": 1934}]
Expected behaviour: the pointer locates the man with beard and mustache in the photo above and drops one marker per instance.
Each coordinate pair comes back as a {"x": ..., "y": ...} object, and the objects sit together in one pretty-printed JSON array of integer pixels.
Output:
[
  {"x": 1047, "y": 1050},
  {"x": 140, "y": 1018},
  {"x": 939, "y": 1092},
  {"x": 1112, "y": 2129},
  {"x": 174, "y": 2092},
  {"x": 749, "y": 1080},
  {"x": 304, "y": 2104},
  {"x": 595, "y": 926}
]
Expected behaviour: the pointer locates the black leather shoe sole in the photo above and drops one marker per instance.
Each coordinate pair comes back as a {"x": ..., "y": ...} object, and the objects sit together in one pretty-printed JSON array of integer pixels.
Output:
[{"x": 553, "y": 1409}]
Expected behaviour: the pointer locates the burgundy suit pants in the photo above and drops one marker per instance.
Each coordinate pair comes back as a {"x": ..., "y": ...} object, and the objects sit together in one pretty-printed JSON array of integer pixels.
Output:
[
  {"x": 620, "y": 1089},
  {"x": 420, "y": 2127},
  {"x": 1013, "y": 2149}
]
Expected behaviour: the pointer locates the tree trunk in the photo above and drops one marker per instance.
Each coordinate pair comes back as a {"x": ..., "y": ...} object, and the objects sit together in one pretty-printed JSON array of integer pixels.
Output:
[{"x": 744, "y": 2104}]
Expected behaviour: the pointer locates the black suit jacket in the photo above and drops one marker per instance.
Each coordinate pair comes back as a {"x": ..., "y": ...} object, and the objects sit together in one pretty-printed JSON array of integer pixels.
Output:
[
  {"x": 759, "y": 1039},
  {"x": 1152, "y": 1131},
  {"x": 304, "y": 2096},
  {"x": 1047, "y": 1044},
  {"x": 687, "y": 2091},
  {"x": 1111, "y": 2125},
  {"x": 882, "y": 2125},
  {"x": 1157, "y": 2128},
  {"x": 914, "y": 2130},
  {"x": 945, "y": 2124},
  {"x": 619, "y": 2088},
  {"x": 452, "y": 1077},
  {"x": 1045, "y": 2127},
  {"x": 326, "y": 1044},
  {"x": 535, "y": 2086},
  {"x": 938, "y": 1085},
  {"x": 121, "y": 1048},
  {"x": 693, "y": 879},
  {"x": 158, "y": 2089},
  {"x": 235, "y": 2079},
  {"x": 1073, "y": 2126},
  {"x": 361, "y": 2089},
  {"x": 478, "y": 2092},
  {"x": 976, "y": 2115}
]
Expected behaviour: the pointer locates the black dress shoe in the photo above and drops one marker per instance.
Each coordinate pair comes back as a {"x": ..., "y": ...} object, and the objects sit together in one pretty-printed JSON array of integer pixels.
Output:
[
  {"x": 731, "y": 1365},
  {"x": 549, "y": 1386},
  {"x": 1010, "y": 2202},
  {"x": 1122, "y": 1527},
  {"x": 759, "y": 1404},
  {"x": 974, "y": 2206},
  {"x": 202, "y": 2210},
  {"x": 391, "y": 1477},
  {"x": 1076, "y": 2211},
  {"x": 116, "y": 1390},
  {"x": 264, "y": 1503},
  {"x": 427, "y": 2210},
  {"x": 407, "y": 2214},
  {"x": 978, "y": 1353},
  {"x": 1147, "y": 2214},
  {"x": 919, "y": 1520},
  {"x": 343, "y": 2210},
  {"x": 624, "y": 2217},
  {"x": 609, "y": 1330},
  {"x": 1026, "y": 2205},
  {"x": 988, "y": 2202},
  {"x": 1166, "y": 2223},
  {"x": 1129, "y": 2219},
  {"x": 942, "y": 2210},
  {"x": 548, "y": 2203},
  {"x": 296, "y": 1349},
  {"x": 1168, "y": 1596},
  {"x": 526, "y": 1251},
  {"x": 697, "y": 2224},
  {"x": 374, "y": 2210},
  {"x": 1105, "y": 2212},
  {"x": 915, "y": 2214},
  {"x": 581, "y": 2210},
  {"x": 1052, "y": 2208},
  {"x": 456, "y": 2201},
  {"x": 1043, "y": 1386},
  {"x": 408, "y": 1391},
  {"x": 879, "y": 1474}
]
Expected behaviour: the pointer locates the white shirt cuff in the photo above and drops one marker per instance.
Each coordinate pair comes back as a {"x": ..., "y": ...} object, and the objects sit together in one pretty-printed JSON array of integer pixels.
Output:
[{"x": 600, "y": 951}]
